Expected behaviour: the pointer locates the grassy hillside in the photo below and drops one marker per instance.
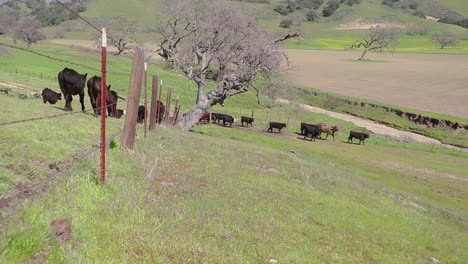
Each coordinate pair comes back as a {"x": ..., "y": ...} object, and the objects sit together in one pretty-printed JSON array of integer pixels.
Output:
[
  {"x": 228, "y": 196},
  {"x": 338, "y": 31},
  {"x": 221, "y": 195}
]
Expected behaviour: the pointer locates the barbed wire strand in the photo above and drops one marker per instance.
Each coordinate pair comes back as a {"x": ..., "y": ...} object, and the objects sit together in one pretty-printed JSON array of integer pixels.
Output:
[
  {"x": 51, "y": 116},
  {"x": 89, "y": 23},
  {"x": 56, "y": 59},
  {"x": 76, "y": 14}
]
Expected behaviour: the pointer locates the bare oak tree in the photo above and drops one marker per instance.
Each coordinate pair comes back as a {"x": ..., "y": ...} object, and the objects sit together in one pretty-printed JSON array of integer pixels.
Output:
[
  {"x": 28, "y": 29},
  {"x": 376, "y": 39},
  {"x": 205, "y": 36},
  {"x": 445, "y": 39},
  {"x": 120, "y": 32},
  {"x": 19, "y": 26}
]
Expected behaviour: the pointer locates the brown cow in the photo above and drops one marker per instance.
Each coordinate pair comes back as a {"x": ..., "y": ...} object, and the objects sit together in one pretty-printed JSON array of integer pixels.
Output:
[
  {"x": 276, "y": 125},
  {"x": 50, "y": 96},
  {"x": 330, "y": 130},
  {"x": 248, "y": 120},
  {"x": 357, "y": 135},
  {"x": 94, "y": 92}
]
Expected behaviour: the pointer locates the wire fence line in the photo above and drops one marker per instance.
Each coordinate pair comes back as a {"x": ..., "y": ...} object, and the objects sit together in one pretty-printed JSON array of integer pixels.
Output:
[{"x": 51, "y": 116}]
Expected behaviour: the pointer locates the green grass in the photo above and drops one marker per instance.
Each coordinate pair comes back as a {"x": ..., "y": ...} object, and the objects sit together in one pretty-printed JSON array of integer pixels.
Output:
[
  {"x": 222, "y": 195},
  {"x": 176, "y": 200}
]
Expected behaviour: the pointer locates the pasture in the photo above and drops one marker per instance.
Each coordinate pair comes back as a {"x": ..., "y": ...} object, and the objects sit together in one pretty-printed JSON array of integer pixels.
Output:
[
  {"x": 216, "y": 194},
  {"x": 228, "y": 195},
  {"x": 427, "y": 82}
]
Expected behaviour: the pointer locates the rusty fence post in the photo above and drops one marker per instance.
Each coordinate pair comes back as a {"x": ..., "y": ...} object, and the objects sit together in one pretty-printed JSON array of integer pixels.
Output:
[
  {"x": 128, "y": 137},
  {"x": 103, "y": 105}
]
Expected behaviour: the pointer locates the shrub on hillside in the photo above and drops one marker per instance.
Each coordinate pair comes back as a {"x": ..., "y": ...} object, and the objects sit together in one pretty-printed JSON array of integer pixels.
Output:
[
  {"x": 282, "y": 9},
  {"x": 286, "y": 23},
  {"x": 311, "y": 15},
  {"x": 414, "y": 30},
  {"x": 350, "y": 2},
  {"x": 332, "y": 6}
]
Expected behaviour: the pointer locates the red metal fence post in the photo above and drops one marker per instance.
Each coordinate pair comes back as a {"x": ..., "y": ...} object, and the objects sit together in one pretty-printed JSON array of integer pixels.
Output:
[{"x": 103, "y": 106}]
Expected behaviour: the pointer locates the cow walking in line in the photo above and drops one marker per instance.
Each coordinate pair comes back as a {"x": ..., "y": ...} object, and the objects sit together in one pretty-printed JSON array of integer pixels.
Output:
[
  {"x": 247, "y": 120},
  {"x": 357, "y": 135},
  {"x": 72, "y": 83},
  {"x": 329, "y": 130},
  {"x": 50, "y": 96},
  {"x": 225, "y": 118},
  {"x": 311, "y": 131},
  {"x": 303, "y": 126},
  {"x": 276, "y": 125}
]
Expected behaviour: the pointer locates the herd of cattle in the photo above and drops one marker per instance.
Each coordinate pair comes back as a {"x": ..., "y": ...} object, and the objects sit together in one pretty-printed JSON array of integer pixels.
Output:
[
  {"x": 72, "y": 83},
  {"x": 311, "y": 131}
]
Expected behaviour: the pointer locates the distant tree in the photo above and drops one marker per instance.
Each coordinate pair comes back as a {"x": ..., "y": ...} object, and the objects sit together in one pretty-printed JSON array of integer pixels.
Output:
[
  {"x": 8, "y": 18},
  {"x": 376, "y": 39},
  {"x": 330, "y": 8},
  {"x": 445, "y": 39},
  {"x": 311, "y": 15},
  {"x": 286, "y": 23},
  {"x": 28, "y": 29},
  {"x": 198, "y": 38},
  {"x": 120, "y": 31},
  {"x": 19, "y": 26}
]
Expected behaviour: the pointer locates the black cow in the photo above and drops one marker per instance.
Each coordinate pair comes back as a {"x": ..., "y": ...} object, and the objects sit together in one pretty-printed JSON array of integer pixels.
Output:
[
  {"x": 303, "y": 126},
  {"x": 276, "y": 125},
  {"x": 225, "y": 118},
  {"x": 72, "y": 83},
  {"x": 141, "y": 114},
  {"x": 247, "y": 120},
  {"x": 357, "y": 135},
  {"x": 50, "y": 96},
  {"x": 311, "y": 131}
]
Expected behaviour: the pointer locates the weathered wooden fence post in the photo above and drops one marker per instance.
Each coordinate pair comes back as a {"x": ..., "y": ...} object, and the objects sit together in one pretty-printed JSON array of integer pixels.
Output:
[
  {"x": 146, "y": 98},
  {"x": 128, "y": 137},
  {"x": 154, "y": 103}
]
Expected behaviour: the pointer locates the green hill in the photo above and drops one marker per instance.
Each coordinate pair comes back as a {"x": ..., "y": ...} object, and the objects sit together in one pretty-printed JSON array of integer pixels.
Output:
[{"x": 337, "y": 31}]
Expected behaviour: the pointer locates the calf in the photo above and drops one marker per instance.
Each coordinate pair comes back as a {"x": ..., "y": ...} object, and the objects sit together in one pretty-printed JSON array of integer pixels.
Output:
[
  {"x": 247, "y": 120},
  {"x": 119, "y": 113},
  {"x": 276, "y": 125},
  {"x": 330, "y": 130},
  {"x": 142, "y": 112},
  {"x": 357, "y": 135},
  {"x": 311, "y": 131},
  {"x": 50, "y": 96}
]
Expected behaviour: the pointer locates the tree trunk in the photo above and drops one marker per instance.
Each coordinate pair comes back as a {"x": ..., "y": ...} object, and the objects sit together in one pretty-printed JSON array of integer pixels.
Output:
[
  {"x": 204, "y": 102},
  {"x": 363, "y": 54}
]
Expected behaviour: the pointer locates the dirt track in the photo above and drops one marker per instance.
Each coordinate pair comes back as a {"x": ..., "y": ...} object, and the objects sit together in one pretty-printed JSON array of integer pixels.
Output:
[
  {"x": 377, "y": 128},
  {"x": 431, "y": 82}
]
